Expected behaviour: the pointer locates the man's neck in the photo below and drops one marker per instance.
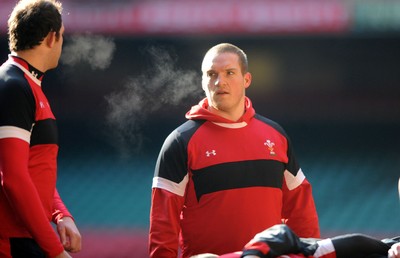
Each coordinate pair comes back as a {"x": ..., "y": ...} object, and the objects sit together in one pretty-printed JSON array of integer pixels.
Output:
[
  {"x": 234, "y": 116},
  {"x": 31, "y": 57},
  {"x": 32, "y": 70}
]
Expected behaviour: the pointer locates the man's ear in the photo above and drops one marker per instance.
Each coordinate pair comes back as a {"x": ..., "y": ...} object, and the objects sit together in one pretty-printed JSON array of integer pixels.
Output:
[
  {"x": 51, "y": 39},
  {"x": 247, "y": 80}
]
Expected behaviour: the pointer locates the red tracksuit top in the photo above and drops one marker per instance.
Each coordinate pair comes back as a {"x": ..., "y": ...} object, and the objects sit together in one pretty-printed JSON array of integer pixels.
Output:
[
  {"x": 217, "y": 183},
  {"x": 28, "y": 159}
]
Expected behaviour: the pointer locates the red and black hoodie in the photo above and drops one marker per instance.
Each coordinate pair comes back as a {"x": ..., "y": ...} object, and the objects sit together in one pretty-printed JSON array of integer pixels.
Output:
[{"x": 217, "y": 183}]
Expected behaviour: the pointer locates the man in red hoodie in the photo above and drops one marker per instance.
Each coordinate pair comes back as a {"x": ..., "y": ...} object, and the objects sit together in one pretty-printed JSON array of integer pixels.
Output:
[
  {"x": 29, "y": 139},
  {"x": 227, "y": 173}
]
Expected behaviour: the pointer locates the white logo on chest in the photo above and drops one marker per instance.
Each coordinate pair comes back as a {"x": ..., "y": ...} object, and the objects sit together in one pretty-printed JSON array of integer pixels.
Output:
[
  {"x": 270, "y": 146},
  {"x": 209, "y": 153}
]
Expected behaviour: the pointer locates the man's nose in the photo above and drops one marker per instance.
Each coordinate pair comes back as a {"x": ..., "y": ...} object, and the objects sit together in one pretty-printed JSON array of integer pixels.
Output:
[{"x": 218, "y": 80}]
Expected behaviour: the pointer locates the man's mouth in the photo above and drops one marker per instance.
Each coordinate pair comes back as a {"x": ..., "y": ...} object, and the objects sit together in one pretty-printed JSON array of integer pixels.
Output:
[{"x": 221, "y": 92}]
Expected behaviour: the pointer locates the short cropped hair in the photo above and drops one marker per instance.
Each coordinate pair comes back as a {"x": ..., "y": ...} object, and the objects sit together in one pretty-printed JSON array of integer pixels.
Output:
[
  {"x": 230, "y": 48},
  {"x": 31, "y": 21}
]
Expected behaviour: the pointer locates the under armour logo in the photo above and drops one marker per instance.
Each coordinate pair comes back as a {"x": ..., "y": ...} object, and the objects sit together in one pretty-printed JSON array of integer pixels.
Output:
[
  {"x": 209, "y": 153},
  {"x": 34, "y": 74},
  {"x": 41, "y": 104}
]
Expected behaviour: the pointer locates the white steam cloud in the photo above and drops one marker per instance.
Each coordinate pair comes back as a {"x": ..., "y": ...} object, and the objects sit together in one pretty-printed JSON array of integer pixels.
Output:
[
  {"x": 95, "y": 50},
  {"x": 163, "y": 86}
]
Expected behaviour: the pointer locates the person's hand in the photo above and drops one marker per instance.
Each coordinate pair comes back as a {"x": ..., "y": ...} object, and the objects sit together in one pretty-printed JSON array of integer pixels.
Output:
[
  {"x": 69, "y": 235},
  {"x": 394, "y": 251},
  {"x": 63, "y": 255}
]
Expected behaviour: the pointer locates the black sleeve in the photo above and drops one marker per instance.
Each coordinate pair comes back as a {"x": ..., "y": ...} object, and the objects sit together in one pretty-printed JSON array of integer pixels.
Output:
[
  {"x": 359, "y": 245},
  {"x": 279, "y": 238},
  {"x": 172, "y": 159},
  {"x": 17, "y": 104}
]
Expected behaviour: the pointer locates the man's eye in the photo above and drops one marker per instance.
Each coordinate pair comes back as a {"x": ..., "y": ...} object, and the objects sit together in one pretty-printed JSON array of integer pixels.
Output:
[{"x": 211, "y": 74}]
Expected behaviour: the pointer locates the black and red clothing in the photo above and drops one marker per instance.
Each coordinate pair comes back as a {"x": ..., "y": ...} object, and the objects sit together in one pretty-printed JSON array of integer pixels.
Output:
[
  {"x": 280, "y": 241},
  {"x": 217, "y": 183},
  {"x": 28, "y": 160}
]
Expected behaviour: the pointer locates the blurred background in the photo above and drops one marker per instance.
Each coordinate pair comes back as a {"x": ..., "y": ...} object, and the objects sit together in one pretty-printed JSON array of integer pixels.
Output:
[{"x": 327, "y": 71}]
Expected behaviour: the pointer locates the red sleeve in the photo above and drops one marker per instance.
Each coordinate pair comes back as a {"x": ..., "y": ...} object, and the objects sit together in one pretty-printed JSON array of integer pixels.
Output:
[
  {"x": 60, "y": 210},
  {"x": 165, "y": 213},
  {"x": 299, "y": 211},
  {"x": 23, "y": 196}
]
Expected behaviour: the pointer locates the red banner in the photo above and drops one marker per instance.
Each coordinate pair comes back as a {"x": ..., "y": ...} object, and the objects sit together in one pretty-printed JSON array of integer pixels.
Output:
[{"x": 203, "y": 17}]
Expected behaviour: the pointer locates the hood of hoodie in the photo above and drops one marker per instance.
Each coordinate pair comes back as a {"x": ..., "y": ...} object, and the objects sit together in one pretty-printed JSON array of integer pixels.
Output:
[{"x": 200, "y": 112}]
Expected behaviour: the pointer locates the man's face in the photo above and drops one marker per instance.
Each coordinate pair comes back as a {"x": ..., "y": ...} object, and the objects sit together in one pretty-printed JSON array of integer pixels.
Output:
[{"x": 224, "y": 83}]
